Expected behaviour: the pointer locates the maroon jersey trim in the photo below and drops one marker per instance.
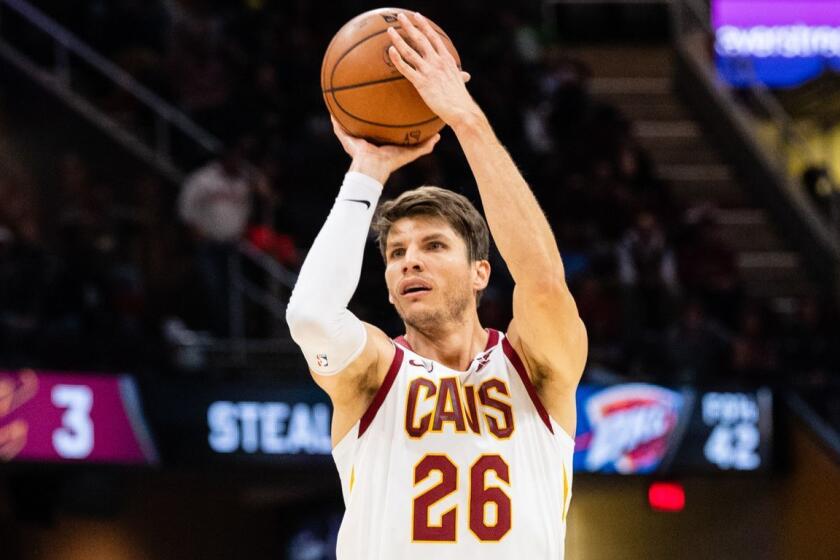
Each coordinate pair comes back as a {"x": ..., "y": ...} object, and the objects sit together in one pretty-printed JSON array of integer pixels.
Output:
[
  {"x": 514, "y": 358},
  {"x": 492, "y": 340},
  {"x": 382, "y": 392}
]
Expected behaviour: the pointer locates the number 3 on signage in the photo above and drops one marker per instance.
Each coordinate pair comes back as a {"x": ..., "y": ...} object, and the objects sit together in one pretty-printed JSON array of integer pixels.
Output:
[
  {"x": 481, "y": 495},
  {"x": 74, "y": 439}
]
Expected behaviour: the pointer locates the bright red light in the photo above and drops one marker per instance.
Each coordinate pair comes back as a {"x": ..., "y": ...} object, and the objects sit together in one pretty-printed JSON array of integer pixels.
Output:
[{"x": 666, "y": 496}]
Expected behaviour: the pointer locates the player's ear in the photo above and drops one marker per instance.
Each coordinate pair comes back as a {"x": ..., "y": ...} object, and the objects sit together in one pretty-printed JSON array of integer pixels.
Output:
[{"x": 481, "y": 274}]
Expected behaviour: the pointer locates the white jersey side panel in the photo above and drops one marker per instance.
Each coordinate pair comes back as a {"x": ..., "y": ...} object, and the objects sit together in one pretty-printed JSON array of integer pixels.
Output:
[{"x": 453, "y": 465}]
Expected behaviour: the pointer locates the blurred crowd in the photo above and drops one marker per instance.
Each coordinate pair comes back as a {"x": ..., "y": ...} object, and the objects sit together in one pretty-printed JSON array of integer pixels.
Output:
[{"x": 656, "y": 285}]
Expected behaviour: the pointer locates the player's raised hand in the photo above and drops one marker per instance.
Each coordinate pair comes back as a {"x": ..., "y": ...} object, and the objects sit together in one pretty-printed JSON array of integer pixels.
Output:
[
  {"x": 429, "y": 66},
  {"x": 379, "y": 161}
]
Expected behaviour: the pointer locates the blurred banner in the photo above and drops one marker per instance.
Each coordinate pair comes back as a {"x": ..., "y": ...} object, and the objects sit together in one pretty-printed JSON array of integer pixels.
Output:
[
  {"x": 256, "y": 424},
  {"x": 631, "y": 428},
  {"x": 72, "y": 417},
  {"x": 781, "y": 43}
]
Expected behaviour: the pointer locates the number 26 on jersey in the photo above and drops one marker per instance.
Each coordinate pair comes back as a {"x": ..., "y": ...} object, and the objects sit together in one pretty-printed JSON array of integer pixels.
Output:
[{"x": 489, "y": 506}]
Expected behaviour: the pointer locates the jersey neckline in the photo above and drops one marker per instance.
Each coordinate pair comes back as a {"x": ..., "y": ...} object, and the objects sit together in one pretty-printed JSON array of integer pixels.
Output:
[{"x": 492, "y": 341}]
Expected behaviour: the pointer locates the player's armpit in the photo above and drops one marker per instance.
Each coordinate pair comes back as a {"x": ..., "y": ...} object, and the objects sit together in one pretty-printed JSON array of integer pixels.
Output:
[
  {"x": 352, "y": 389},
  {"x": 549, "y": 335}
]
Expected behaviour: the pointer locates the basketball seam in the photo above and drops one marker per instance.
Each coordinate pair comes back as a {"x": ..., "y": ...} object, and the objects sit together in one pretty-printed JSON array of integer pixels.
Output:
[
  {"x": 370, "y": 83},
  {"x": 374, "y": 123},
  {"x": 349, "y": 49}
]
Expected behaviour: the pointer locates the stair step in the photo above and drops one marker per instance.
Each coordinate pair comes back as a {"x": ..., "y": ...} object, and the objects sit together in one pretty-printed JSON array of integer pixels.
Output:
[
  {"x": 669, "y": 129},
  {"x": 678, "y": 139},
  {"x": 773, "y": 274},
  {"x": 748, "y": 230},
  {"x": 652, "y": 99},
  {"x": 794, "y": 286},
  {"x": 675, "y": 142},
  {"x": 785, "y": 288},
  {"x": 741, "y": 217},
  {"x": 695, "y": 172},
  {"x": 621, "y": 87},
  {"x": 621, "y": 61},
  {"x": 775, "y": 263},
  {"x": 636, "y": 109},
  {"x": 698, "y": 183},
  {"x": 664, "y": 154}
]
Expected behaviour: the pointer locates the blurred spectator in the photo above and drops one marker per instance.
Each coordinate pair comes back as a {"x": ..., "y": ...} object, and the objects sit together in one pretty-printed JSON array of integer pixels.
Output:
[
  {"x": 202, "y": 76},
  {"x": 818, "y": 185},
  {"x": 647, "y": 273},
  {"x": 86, "y": 241},
  {"x": 754, "y": 356},
  {"x": 25, "y": 267},
  {"x": 707, "y": 265},
  {"x": 808, "y": 342},
  {"x": 216, "y": 203},
  {"x": 601, "y": 313},
  {"x": 697, "y": 347}
]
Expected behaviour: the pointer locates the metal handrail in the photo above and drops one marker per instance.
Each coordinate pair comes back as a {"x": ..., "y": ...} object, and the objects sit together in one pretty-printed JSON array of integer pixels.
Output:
[
  {"x": 69, "y": 42},
  {"x": 273, "y": 268},
  {"x": 278, "y": 275}
]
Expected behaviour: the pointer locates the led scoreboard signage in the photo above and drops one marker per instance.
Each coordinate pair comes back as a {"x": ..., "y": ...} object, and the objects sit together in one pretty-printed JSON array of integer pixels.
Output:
[
  {"x": 631, "y": 428},
  {"x": 242, "y": 424},
  {"x": 70, "y": 417},
  {"x": 781, "y": 43},
  {"x": 638, "y": 428}
]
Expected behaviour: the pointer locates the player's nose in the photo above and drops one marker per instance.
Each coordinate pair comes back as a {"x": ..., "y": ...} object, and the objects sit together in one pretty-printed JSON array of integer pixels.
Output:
[{"x": 412, "y": 260}]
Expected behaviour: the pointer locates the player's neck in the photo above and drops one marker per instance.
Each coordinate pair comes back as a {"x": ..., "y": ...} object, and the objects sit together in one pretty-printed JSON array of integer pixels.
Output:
[{"x": 453, "y": 345}]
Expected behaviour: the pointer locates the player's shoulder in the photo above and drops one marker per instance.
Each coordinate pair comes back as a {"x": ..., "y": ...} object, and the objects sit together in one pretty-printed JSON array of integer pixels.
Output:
[{"x": 379, "y": 357}]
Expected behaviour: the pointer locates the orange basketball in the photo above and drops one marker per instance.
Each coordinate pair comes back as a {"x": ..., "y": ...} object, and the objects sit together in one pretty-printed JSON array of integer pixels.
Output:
[{"x": 365, "y": 92}]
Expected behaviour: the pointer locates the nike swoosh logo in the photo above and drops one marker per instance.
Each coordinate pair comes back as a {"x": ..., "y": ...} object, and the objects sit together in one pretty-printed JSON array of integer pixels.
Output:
[{"x": 365, "y": 202}]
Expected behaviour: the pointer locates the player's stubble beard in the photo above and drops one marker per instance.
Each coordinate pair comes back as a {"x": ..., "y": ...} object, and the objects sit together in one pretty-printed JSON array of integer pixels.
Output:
[{"x": 429, "y": 322}]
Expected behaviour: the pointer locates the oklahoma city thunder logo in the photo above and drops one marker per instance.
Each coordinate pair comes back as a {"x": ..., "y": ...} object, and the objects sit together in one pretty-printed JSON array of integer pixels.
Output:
[{"x": 630, "y": 427}]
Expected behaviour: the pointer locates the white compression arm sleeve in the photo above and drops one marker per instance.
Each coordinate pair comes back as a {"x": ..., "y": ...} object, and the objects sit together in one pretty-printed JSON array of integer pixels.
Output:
[{"x": 329, "y": 335}]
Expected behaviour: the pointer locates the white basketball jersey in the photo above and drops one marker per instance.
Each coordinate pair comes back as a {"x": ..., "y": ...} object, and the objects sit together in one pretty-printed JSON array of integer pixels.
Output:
[{"x": 453, "y": 465}]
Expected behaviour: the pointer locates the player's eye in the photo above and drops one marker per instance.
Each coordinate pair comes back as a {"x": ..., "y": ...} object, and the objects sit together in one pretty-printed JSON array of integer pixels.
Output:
[
  {"x": 397, "y": 253},
  {"x": 436, "y": 245}
]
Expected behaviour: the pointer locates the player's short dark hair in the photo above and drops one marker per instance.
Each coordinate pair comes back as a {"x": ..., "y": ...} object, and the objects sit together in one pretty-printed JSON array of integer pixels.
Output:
[{"x": 455, "y": 209}]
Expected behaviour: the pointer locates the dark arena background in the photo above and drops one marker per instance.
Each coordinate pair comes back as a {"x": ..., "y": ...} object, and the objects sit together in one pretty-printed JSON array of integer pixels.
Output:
[{"x": 686, "y": 153}]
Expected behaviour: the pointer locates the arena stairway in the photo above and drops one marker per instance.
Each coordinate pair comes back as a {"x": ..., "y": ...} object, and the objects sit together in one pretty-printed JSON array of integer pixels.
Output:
[{"x": 638, "y": 81}]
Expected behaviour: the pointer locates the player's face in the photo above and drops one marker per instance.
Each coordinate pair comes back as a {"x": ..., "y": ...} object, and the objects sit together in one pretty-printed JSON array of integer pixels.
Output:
[{"x": 430, "y": 279}]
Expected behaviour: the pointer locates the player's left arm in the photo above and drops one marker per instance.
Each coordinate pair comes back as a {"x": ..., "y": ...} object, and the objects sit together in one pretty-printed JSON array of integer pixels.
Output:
[{"x": 546, "y": 329}]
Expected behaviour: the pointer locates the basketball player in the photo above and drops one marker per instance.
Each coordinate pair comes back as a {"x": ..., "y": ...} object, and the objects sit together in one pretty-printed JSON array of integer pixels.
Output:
[{"x": 452, "y": 441}]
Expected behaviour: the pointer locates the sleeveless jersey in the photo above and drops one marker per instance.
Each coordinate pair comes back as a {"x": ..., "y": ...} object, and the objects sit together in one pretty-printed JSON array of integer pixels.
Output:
[{"x": 452, "y": 465}]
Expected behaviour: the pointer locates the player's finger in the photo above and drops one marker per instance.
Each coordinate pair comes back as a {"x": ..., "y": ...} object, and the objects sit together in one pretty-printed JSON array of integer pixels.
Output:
[
  {"x": 466, "y": 76},
  {"x": 347, "y": 141},
  {"x": 405, "y": 68},
  {"x": 432, "y": 35},
  {"x": 336, "y": 125},
  {"x": 429, "y": 144},
  {"x": 405, "y": 50},
  {"x": 339, "y": 130},
  {"x": 425, "y": 147},
  {"x": 420, "y": 40}
]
